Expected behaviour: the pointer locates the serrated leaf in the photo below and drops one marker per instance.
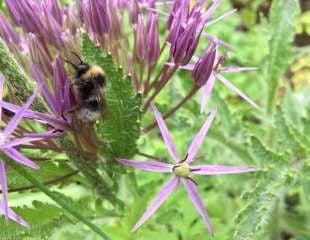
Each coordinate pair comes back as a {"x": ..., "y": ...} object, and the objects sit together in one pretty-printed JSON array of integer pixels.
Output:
[
  {"x": 120, "y": 128},
  {"x": 286, "y": 136},
  {"x": 265, "y": 155},
  {"x": 261, "y": 202},
  {"x": 282, "y": 29},
  {"x": 44, "y": 218}
]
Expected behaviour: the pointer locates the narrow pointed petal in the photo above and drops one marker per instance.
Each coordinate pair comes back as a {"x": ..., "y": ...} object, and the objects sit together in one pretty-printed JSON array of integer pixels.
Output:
[
  {"x": 164, "y": 192},
  {"x": 188, "y": 67},
  {"x": 165, "y": 134},
  {"x": 196, "y": 143},
  {"x": 57, "y": 123},
  {"x": 18, "y": 157},
  {"x": 192, "y": 191},
  {"x": 237, "y": 69},
  {"x": 4, "y": 190},
  {"x": 12, "y": 215},
  {"x": 19, "y": 141},
  {"x": 147, "y": 165},
  {"x": 46, "y": 92},
  {"x": 48, "y": 134},
  {"x": 236, "y": 90},
  {"x": 221, "y": 17},
  {"x": 206, "y": 92},
  {"x": 1, "y": 92},
  {"x": 19, "y": 115},
  {"x": 218, "y": 169}
]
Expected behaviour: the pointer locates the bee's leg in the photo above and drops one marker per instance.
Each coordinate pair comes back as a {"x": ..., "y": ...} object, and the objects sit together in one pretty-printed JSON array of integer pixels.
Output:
[{"x": 72, "y": 110}]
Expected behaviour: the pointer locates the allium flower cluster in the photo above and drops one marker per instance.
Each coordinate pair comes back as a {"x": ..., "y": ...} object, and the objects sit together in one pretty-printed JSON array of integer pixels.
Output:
[{"x": 150, "y": 39}]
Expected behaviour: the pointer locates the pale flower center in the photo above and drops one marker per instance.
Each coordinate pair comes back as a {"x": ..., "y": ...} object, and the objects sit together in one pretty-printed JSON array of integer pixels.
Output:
[{"x": 182, "y": 170}]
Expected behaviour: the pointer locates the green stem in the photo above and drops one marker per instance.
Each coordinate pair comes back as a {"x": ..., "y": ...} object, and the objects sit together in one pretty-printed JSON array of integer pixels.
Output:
[{"x": 23, "y": 172}]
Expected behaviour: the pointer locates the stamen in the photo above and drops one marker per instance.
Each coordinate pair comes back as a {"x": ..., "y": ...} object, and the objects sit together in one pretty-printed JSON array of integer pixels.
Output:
[
  {"x": 192, "y": 180},
  {"x": 184, "y": 158}
]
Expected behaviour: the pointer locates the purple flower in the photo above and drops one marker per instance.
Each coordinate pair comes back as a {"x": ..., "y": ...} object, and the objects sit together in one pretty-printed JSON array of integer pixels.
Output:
[
  {"x": 7, "y": 32},
  {"x": 146, "y": 40},
  {"x": 39, "y": 54},
  {"x": 94, "y": 13},
  {"x": 60, "y": 100},
  {"x": 208, "y": 68},
  {"x": 12, "y": 215},
  {"x": 181, "y": 170},
  {"x": 7, "y": 147}
]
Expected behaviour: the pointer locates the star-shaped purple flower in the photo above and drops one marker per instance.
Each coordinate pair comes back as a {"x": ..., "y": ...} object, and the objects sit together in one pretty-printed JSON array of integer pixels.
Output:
[
  {"x": 7, "y": 146},
  {"x": 181, "y": 170}
]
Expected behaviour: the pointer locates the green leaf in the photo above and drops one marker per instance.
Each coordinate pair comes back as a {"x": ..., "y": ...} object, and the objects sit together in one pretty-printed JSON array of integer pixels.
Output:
[
  {"x": 120, "y": 128},
  {"x": 282, "y": 28},
  {"x": 286, "y": 137},
  {"x": 62, "y": 202},
  {"x": 261, "y": 203},
  {"x": 43, "y": 218},
  {"x": 266, "y": 156}
]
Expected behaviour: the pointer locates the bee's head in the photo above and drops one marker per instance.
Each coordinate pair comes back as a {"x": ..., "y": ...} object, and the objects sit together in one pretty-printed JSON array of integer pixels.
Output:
[{"x": 80, "y": 68}]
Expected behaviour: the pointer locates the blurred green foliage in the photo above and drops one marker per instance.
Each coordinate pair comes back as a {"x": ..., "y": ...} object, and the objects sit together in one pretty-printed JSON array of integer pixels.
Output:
[{"x": 270, "y": 204}]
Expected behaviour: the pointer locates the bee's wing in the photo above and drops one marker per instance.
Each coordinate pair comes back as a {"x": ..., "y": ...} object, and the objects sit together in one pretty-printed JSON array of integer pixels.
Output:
[{"x": 99, "y": 91}]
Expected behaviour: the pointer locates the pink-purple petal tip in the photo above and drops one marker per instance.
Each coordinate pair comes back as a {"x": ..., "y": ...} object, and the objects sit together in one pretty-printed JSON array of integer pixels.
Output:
[
  {"x": 147, "y": 165},
  {"x": 165, "y": 134},
  {"x": 164, "y": 192}
]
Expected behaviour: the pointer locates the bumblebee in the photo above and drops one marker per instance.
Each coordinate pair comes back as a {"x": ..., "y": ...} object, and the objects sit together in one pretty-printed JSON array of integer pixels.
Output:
[{"x": 88, "y": 90}]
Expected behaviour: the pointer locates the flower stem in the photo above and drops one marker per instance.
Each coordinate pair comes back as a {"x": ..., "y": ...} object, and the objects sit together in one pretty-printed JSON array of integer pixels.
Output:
[
  {"x": 49, "y": 182},
  {"x": 174, "y": 109},
  {"x": 54, "y": 196},
  {"x": 164, "y": 80}
]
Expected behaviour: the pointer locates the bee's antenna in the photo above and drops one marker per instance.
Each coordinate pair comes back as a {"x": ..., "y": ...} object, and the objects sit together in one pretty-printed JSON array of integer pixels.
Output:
[
  {"x": 72, "y": 64},
  {"x": 75, "y": 54}
]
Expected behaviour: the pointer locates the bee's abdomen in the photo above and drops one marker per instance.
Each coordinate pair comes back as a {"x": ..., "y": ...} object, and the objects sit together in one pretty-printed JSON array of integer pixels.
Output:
[{"x": 92, "y": 103}]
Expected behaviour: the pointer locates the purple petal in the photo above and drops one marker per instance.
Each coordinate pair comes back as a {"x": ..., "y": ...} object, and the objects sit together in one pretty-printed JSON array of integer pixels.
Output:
[
  {"x": 194, "y": 196},
  {"x": 206, "y": 92},
  {"x": 236, "y": 90},
  {"x": 44, "y": 118},
  {"x": 46, "y": 92},
  {"x": 218, "y": 169},
  {"x": 210, "y": 10},
  {"x": 4, "y": 190},
  {"x": 1, "y": 91},
  {"x": 147, "y": 165},
  {"x": 196, "y": 143},
  {"x": 19, "y": 115},
  {"x": 12, "y": 215},
  {"x": 188, "y": 67},
  {"x": 48, "y": 134},
  {"x": 165, "y": 134},
  {"x": 164, "y": 192},
  {"x": 18, "y": 157},
  {"x": 19, "y": 141},
  {"x": 221, "y": 17},
  {"x": 236, "y": 69}
]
